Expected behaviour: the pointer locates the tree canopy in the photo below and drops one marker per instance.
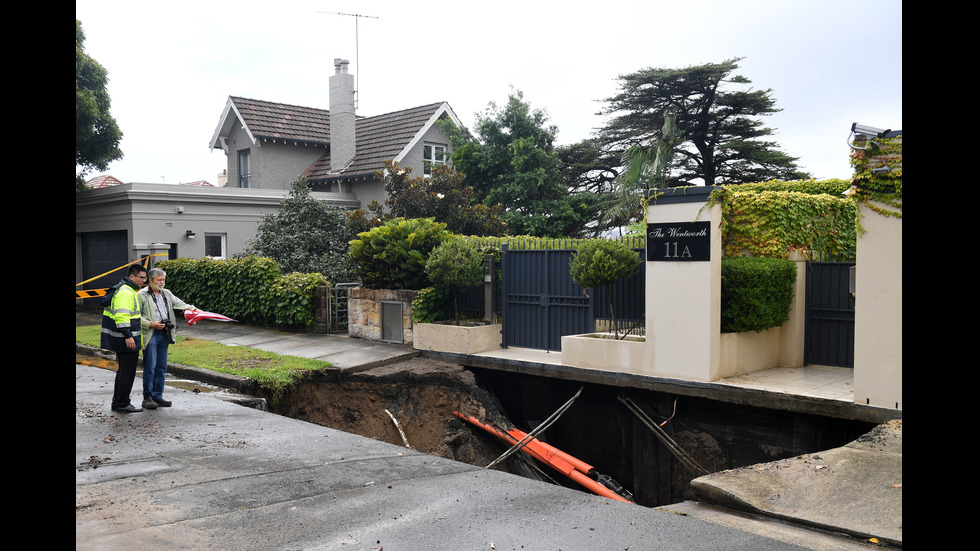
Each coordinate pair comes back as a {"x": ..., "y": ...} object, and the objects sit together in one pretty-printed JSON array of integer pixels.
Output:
[
  {"x": 97, "y": 135},
  {"x": 512, "y": 160},
  {"x": 306, "y": 235},
  {"x": 444, "y": 196},
  {"x": 719, "y": 119}
]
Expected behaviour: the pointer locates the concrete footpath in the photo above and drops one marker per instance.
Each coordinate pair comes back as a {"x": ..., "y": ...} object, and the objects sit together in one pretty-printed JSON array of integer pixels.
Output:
[{"x": 211, "y": 474}]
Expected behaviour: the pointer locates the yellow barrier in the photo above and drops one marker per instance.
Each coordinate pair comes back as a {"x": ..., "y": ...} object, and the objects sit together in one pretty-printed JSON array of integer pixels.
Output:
[{"x": 90, "y": 293}]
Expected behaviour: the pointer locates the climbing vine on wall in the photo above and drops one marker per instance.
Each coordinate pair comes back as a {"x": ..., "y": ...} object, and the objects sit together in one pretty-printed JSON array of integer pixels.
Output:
[
  {"x": 878, "y": 176},
  {"x": 773, "y": 218}
]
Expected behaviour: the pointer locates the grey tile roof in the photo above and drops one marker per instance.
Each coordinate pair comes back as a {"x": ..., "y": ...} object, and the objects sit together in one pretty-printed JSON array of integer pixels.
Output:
[
  {"x": 266, "y": 119},
  {"x": 379, "y": 138}
]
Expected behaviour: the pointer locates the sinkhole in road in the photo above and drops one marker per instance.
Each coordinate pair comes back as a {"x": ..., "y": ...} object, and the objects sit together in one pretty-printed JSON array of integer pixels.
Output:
[{"x": 411, "y": 403}]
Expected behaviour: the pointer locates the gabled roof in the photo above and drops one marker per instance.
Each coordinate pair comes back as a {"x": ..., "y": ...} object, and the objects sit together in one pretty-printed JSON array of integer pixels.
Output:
[
  {"x": 379, "y": 138},
  {"x": 273, "y": 121},
  {"x": 102, "y": 181}
]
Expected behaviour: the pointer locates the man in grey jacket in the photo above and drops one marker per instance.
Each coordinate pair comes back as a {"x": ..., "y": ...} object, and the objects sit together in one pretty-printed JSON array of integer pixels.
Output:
[{"x": 159, "y": 330}]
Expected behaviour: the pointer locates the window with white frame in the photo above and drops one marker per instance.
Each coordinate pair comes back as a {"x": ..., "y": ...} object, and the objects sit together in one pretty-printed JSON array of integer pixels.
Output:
[
  {"x": 432, "y": 154},
  {"x": 244, "y": 168},
  {"x": 215, "y": 245}
]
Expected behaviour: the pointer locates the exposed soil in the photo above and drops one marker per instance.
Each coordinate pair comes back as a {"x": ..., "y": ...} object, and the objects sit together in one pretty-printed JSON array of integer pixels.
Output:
[{"x": 421, "y": 394}]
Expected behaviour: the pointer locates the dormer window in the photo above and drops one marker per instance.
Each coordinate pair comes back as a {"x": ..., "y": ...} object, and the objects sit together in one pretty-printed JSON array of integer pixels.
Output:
[{"x": 432, "y": 155}]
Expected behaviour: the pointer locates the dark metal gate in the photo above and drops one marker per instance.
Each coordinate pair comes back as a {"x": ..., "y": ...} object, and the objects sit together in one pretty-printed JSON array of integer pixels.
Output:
[
  {"x": 540, "y": 301},
  {"x": 829, "y": 315}
]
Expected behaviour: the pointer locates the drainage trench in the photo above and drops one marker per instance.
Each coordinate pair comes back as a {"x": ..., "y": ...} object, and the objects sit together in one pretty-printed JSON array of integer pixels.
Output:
[{"x": 412, "y": 403}]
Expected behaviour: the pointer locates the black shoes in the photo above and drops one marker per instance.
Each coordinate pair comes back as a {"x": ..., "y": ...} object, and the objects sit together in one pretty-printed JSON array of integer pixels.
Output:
[{"x": 148, "y": 403}]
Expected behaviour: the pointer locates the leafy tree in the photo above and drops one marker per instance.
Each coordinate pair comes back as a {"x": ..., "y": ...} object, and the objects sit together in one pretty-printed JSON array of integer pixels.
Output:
[
  {"x": 455, "y": 264},
  {"x": 96, "y": 134},
  {"x": 443, "y": 196},
  {"x": 645, "y": 168},
  {"x": 723, "y": 136},
  {"x": 513, "y": 161},
  {"x": 602, "y": 262},
  {"x": 306, "y": 235}
]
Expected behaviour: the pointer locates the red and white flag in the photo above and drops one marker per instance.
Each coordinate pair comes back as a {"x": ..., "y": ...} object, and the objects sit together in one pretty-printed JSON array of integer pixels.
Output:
[{"x": 197, "y": 315}]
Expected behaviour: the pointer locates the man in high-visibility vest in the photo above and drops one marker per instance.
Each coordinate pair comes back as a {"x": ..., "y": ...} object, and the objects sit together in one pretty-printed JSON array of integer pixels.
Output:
[{"x": 121, "y": 333}]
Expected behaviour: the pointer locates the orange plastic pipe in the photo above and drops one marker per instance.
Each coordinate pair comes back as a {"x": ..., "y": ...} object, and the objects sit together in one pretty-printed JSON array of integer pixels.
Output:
[{"x": 551, "y": 455}]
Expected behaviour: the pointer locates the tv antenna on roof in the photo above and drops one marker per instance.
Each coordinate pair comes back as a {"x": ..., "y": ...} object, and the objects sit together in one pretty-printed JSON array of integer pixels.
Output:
[{"x": 357, "y": 57}]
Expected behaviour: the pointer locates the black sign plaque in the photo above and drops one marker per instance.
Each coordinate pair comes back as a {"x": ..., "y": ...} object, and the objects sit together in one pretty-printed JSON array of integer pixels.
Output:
[{"x": 679, "y": 242}]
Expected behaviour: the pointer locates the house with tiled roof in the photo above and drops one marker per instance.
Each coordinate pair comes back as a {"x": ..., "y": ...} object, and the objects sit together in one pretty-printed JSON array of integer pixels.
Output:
[
  {"x": 105, "y": 180},
  {"x": 269, "y": 145}
]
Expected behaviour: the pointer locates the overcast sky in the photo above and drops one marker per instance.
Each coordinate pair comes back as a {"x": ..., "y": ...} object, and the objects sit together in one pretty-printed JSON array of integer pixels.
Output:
[{"x": 172, "y": 66}]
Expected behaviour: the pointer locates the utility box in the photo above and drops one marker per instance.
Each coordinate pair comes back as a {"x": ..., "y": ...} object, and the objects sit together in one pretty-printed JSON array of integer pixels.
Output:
[{"x": 391, "y": 322}]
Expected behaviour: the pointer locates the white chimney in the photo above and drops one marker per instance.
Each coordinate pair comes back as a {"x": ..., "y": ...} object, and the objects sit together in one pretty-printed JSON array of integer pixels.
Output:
[{"x": 342, "y": 121}]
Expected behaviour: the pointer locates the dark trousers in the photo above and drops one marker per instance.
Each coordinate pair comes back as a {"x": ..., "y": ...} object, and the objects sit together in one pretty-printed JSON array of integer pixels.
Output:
[{"x": 125, "y": 376}]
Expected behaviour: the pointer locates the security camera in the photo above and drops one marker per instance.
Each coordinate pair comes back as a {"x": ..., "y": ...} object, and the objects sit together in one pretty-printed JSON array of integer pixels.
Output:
[
  {"x": 865, "y": 134},
  {"x": 869, "y": 131},
  {"x": 881, "y": 170}
]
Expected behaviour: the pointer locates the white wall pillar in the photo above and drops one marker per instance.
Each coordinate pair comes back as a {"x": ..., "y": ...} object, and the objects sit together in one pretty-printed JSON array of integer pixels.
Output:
[
  {"x": 683, "y": 286},
  {"x": 878, "y": 312}
]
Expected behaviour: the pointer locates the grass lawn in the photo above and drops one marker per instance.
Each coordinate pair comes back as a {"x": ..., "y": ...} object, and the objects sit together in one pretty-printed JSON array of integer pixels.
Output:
[{"x": 273, "y": 372}]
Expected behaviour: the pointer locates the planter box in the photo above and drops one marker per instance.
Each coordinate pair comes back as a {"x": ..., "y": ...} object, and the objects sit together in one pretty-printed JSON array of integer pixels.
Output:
[
  {"x": 603, "y": 352},
  {"x": 748, "y": 352},
  {"x": 456, "y": 339}
]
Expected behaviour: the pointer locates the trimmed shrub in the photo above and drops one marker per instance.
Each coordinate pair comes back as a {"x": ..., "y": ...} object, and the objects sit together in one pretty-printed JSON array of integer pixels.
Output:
[
  {"x": 756, "y": 293},
  {"x": 602, "y": 262},
  {"x": 455, "y": 265},
  {"x": 393, "y": 256}
]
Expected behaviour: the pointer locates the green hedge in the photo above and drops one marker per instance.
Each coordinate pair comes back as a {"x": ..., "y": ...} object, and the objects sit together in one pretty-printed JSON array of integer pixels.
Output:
[
  {"x": 252, "y": 290},
  {"x": 756, "y": 293},
  {"x": 773, "y": 218}
]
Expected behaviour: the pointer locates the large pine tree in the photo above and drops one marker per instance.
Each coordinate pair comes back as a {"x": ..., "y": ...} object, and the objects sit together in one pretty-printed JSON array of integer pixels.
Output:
[{"x": 718, "y": 115}]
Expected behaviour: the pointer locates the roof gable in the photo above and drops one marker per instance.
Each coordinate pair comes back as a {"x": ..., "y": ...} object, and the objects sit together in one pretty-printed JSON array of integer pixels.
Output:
[{"x": 274, "y": 121}]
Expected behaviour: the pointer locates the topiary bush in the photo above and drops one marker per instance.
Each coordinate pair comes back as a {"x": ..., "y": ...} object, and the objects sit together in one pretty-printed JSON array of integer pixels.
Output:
[
  {"x": 455, "y": 264},
  {"x": 393, "y": 256},
  {"x": 756, "y": 293},
  {"x": 602, "y": 262}
]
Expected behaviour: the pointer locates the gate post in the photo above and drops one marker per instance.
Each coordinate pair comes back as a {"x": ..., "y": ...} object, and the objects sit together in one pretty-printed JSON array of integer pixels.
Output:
[
  {"x": 505, "y": 289},
  {"x": 683, "y": 282},
  {"x": 878, "y": 312}
]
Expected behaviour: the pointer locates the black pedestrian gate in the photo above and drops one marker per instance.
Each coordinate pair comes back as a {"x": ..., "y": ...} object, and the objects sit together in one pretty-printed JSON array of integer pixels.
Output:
[
  {"x": 829, "y": 315},
  {"x": 540, "y": 301}
]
